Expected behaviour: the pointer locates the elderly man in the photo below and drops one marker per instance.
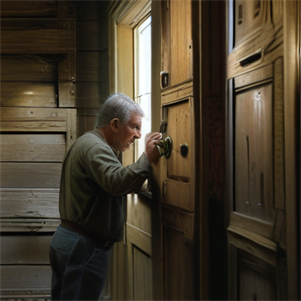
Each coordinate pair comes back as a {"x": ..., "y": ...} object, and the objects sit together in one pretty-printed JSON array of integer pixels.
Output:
[{"x": 92, "y": 198}]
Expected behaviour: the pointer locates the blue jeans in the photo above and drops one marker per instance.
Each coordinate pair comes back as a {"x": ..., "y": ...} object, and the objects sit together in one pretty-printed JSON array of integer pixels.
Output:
[{"x": 79, "y": 268}]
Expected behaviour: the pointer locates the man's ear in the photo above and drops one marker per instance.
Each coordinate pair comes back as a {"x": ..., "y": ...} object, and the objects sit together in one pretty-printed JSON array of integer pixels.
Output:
[{"x": 115, "y": 125}]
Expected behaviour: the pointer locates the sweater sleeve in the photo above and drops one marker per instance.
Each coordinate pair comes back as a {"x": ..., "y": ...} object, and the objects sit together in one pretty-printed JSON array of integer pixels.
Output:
[{"x": 104, "y": 168}]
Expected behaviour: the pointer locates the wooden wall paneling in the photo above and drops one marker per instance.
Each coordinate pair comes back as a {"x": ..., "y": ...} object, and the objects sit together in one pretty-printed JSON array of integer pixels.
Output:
[
  {"x": 139, "y": 238},
  {"x": 27, "y": 280},
  {"x": 29, "y": 203},
  {"x": 24, "y": 249},
  {"x": 139, "y": 212},
  {"x": 28, "y": 9},
  {"x": 28, "y": 68},
  {"x": 33, "y": 147},
  {"x": 139, "y": 255},
  {"x": 67, "y": 67},
  {"x": 37, "y": 35},
  {"x": 27, "y": 175},
  {"x": 32, "y": 119},
  {"x": 65, "y": 9},
  {"x": 86, "y": 120},
  {"x": 92, "y": 86},
  {"x": 29, "y": 225},
  {"x": 91, "y": 94},
  {"x": 71, "y": 134},
  {"x": 67, "y": 81},
  {"x": 29, "y": 80},
  {"x": 67, "y": 94},
  {"x": 92, "y": 66},
  {"x": 28, "y": 94},
  {"x": 88, "y": 10},
  {"x": 88, "y": 30}
]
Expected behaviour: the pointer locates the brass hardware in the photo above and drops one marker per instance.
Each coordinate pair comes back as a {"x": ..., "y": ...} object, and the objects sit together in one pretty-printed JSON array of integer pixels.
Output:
[{"x": 165, "y": 147}]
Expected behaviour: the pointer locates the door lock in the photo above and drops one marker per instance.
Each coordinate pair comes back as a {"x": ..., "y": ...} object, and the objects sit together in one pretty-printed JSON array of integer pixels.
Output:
[
  {"x": 184, "y": 150},
  {"x": 165, "y": 146}
]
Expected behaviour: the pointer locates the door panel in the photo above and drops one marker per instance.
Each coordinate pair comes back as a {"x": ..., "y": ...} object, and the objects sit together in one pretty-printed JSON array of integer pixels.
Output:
[
  {"x": 259, "y": 248},
  {"x": 177, "y": 255},
  {"x": 142, "y": 275},
  {"x": 178, "y": 172},
  {"x": 256, "y": 278},
  {"x": 177, "y": 202},
  {"x": 253, "y": 168},
  {"x": 178, "y": 183},
  {"x": 177, "y": 40}
]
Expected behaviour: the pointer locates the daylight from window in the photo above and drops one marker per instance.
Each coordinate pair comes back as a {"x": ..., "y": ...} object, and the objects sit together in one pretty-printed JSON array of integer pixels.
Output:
[{"x": 143, "y": 77}]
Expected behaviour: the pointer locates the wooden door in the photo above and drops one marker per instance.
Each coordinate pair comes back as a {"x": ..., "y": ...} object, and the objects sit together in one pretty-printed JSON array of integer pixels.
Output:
[
  {"x": 178, "y": 178},
  {"x": 262, "y": 71}
]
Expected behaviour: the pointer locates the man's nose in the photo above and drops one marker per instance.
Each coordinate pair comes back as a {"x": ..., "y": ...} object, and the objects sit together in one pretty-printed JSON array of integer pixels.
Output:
[{"x": 138, "y": 134}]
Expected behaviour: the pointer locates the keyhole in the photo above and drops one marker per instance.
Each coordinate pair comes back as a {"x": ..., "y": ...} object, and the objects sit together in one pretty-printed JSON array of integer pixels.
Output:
[{"x": 184, "y": 150}]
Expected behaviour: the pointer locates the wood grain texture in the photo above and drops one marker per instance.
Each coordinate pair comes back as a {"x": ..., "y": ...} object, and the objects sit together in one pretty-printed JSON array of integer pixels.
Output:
[
  {"x": 25, "y": 278},
  {"x": 32, "y": 147},
  {"x": 30, "y": 175},
  {"x": 28, "y": 94},
  {"x": 181, "y": 41},
  {"x": 279, "y": 174},
  {"x": 27, "y": 9},
  {"x": 25, "y": 67},
  {"x": 29, "y": 225},
  {"x": 29, "y": 203},
  {"x": 37, "y": 35},
  {"x": 253, "y": 148},
  {"x": 25, "y": 249},
  {"x": 32, "y": 119}
]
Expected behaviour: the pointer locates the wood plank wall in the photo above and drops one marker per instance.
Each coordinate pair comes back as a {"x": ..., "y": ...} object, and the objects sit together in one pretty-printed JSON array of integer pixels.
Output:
[
  {"x": 36, "y": 37},
  {"x": 92, "y": 61}
]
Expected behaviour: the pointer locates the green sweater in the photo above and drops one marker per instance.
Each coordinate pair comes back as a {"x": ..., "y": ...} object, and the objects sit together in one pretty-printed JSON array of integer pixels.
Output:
[{"x": 94, "y": 184}]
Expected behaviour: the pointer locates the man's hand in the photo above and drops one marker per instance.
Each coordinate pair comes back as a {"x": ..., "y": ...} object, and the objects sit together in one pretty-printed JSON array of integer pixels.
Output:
[{"x": 151, "y": 149}]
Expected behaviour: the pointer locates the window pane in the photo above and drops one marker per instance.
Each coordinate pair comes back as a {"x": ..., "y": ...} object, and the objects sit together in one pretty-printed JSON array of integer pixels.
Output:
[{"x": 143, "y": 77}]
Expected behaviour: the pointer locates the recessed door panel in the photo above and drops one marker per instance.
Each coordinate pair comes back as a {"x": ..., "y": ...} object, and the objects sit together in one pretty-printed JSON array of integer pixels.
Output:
[
  {"x": 257, "y": 279},
  {"x": 178, "y": 120},
  {"x": 178, "y": 182},
  {"x": 254, "y": 152}
]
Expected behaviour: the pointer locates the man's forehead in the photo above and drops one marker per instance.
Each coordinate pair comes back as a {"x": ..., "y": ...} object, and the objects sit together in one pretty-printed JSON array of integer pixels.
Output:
[{"x": 135, "y": 118}]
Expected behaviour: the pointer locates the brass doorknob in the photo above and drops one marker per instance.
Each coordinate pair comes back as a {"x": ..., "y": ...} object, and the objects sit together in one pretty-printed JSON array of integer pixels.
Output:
[{"x": 165, "y": 147}]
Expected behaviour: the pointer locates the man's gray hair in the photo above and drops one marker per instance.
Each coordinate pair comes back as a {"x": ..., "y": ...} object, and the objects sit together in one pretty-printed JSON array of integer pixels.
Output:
[{"x": 117, "y": 105}]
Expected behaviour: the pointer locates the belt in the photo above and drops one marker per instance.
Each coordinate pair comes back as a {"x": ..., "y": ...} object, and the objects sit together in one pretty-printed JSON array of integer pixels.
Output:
[{"x": 97, "y": 241}]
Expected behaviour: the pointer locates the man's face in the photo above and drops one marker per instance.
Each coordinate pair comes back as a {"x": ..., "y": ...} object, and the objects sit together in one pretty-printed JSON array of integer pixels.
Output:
[{"x": 128, "y": 133}]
